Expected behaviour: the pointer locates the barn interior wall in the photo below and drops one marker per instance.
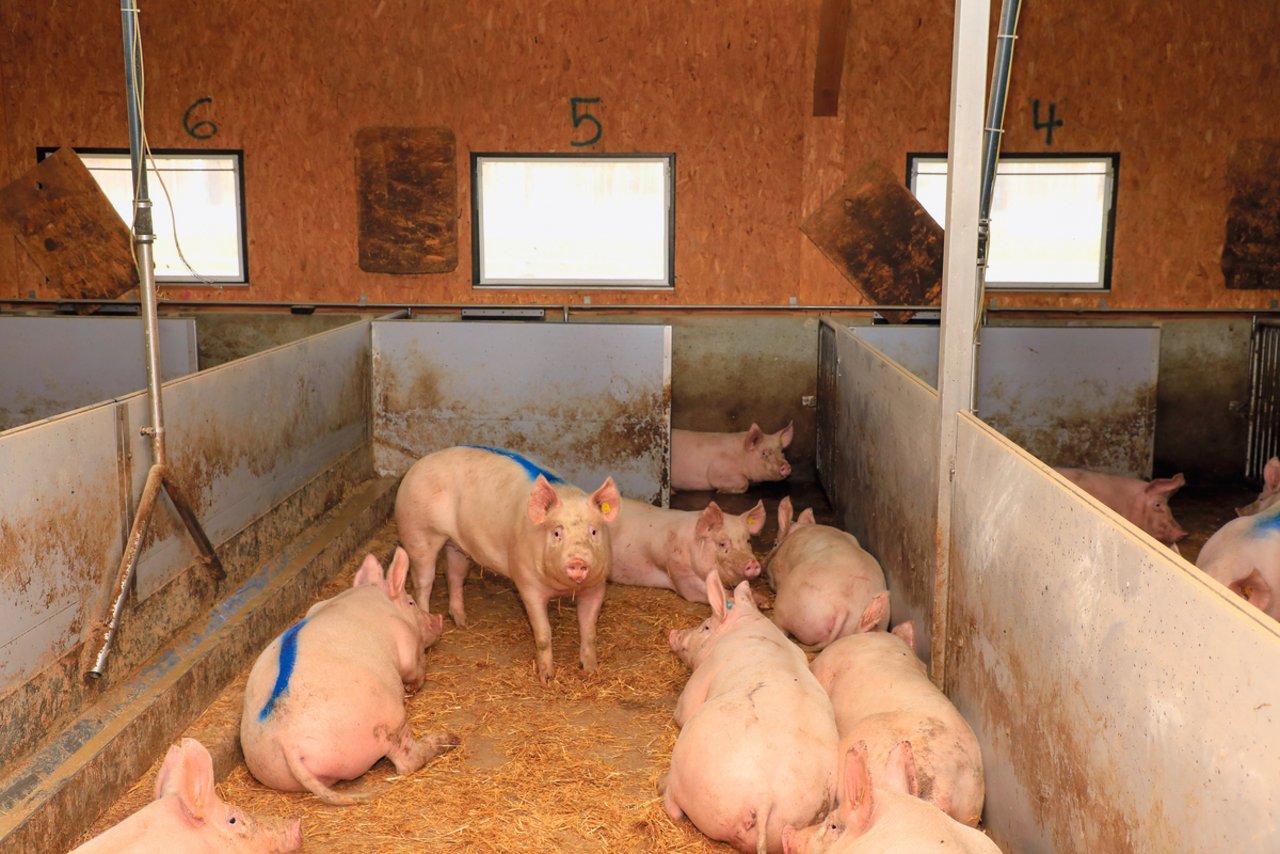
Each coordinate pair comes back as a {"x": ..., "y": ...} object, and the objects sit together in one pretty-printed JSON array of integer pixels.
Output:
[{"x": 728, "y": 88}]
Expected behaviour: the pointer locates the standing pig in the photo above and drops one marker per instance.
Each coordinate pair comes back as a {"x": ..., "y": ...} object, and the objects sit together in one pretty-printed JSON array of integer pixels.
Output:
[
  {"x": 826, "y": 586},
  {"x": 325, "y": 700},
  {"x": 728, "y": 462},
  {"x": 1145, "y": 504},
  {"x": 187, "y": 815},
  {"x": 519, "y": 520},
  {"x": 882, "y": 696},
  {"x": 676, "y": 549},
  {"x": 1244, "y": 554},
  {"x": 875, "y": 818},
  {"x": 757, "y": 743},
  {"x": 1270, "y": 489}
]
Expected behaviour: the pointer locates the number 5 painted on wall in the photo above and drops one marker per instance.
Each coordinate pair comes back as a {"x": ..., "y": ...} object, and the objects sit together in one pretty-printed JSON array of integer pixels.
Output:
[{"x": 579, "y": 118}]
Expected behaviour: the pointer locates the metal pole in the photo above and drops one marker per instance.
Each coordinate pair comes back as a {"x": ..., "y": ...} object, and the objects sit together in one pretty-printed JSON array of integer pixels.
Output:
[
  {"x": 159, "y": 475},
  {"x": 1005, "y": 38}
]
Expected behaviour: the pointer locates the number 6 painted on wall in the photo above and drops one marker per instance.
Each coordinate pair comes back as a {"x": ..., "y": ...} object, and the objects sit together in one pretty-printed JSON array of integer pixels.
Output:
[{"x": 579, "y": 118}]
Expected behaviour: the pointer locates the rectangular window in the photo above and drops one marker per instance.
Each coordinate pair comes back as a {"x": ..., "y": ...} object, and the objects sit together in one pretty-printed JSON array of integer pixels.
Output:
[
  {"x": 1052, "y": 217},
  {"x": 207, "y": 193},
  {"x": 573, "y": 220}
]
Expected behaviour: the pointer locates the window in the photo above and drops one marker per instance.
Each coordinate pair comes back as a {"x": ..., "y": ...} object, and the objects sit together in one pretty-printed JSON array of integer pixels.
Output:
[
  {"x": 1052, "y": 217},
  {"x": 207, "y": 189},
  {"x": 573, "y": 220}
]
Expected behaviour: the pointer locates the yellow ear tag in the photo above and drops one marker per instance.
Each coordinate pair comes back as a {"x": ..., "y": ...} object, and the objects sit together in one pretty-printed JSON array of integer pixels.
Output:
[{"x": 604, "y": 508}]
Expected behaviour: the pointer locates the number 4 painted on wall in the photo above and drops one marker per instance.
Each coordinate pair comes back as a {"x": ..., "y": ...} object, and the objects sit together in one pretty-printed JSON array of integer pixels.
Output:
[
  {"x": 1048, "y": 124},
  {"x": 579, "y": 118}
]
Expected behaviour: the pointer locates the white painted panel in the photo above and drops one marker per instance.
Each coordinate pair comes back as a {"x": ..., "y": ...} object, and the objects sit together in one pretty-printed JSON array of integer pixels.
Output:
[
  {"x": 877, "y": 458},
  {"x": 244, "y": 435},
  {"x": 587, "y": 400},
  {"x": 53, "y": 365},
  {"x": 1073, "y": 396},
  {"x": 61, "y": 536},
  {"x": 1124, "y": 701}
]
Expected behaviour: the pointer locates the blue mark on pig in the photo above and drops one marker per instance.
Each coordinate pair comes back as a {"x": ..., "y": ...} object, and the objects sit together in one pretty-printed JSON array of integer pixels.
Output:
[
  {"x": 531, "y": 468},
  {"x": 288, "y": 657},
  {"x": 1266, "y": 522}
]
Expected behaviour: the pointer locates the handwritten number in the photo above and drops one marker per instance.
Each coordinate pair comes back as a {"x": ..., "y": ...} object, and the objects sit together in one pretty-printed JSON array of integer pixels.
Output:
[
  {"x": 199, "y": 130},
  {"x": 579, "y": 118},
  {"x": 1048, "y": 124}
]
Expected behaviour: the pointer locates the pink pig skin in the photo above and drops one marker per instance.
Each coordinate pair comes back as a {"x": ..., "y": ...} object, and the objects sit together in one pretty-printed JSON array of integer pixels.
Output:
[
  {"x": 676, "y": 549},
  {"x": 547, "y": 536},
  {"x": 757, "y": 743},
  {"x": 1244, "y": 555},
  {"x": 878, "y": 819},
  {"x": 188, "y": 816},
  {"x": 728, "y": 462},
  {"x": 882, "y": 696},
  {"x": 826, "y": 585},
  {"x": 1145, "y": 504},
  {"x": 342, "y": 706},
  {"x": 1270, "y": 489}
]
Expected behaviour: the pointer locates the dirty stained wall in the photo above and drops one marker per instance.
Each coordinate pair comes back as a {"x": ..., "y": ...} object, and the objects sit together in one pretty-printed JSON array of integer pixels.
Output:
[{"x": 726, "y": 86}]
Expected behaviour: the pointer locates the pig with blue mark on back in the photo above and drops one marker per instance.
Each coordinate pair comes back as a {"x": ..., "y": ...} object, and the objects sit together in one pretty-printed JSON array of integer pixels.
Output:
[
  {"x": 518, "y": 519},
  {"x": 1244, "y": 554},
  {"x": 325, "y": 700}
]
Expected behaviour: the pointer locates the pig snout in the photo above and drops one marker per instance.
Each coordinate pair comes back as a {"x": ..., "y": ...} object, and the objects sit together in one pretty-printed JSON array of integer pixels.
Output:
[
  {"x": 675, "y": 639},
  {"x": 789, "y": 840},
  {"x": 290, "y": 836},
  {"x": 752, "y": 569},
  {"x": 577, "y": 569},
  {"x": 785, "y": 469}
]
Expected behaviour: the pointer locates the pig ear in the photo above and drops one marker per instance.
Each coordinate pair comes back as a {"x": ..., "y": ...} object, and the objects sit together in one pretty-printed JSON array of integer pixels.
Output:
[
  {"x": 857, "y": 801},
  {"x": 806, "y": 518},
  {"x": 709, "y": 520},
  {"x": 194, "y": 786},
  {"x": 907, "y": 631},
  {"x": 1166, "y": 485},
  {"x": 742, "y": 597},
  {"x": 755, "y": 518},
  {"x": 607, "y": 500},
  {"x": 875, "y": 612},
  {"x": 784, "y": 435},
  {"x": 900, "y": 770},
  {"x": 784, "y": 516},
  {"x": 1254, "y": 588},
  {"x": 715, "y": 595},
  {"x": 754, "y": 436},
  {"x": 1271, "y": 474},
  {"x": 370, "y": 572},
  {"x": 542, "y": 499},
  {"x": 170, "y": 772},
  {"x": 398, "y": 573}
]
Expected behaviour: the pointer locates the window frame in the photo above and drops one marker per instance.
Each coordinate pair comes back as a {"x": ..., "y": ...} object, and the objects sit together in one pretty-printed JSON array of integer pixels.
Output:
[
  {"x": 1107, "y": 238},
  {"x": 154, "y": 190},
  {"x": 480, "y": 282}
]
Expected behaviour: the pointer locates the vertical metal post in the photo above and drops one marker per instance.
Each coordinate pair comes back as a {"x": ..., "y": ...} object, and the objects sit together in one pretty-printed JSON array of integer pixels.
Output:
[
  {"x": 158, "y": 475},
  {"x": 956, "y": 354}
]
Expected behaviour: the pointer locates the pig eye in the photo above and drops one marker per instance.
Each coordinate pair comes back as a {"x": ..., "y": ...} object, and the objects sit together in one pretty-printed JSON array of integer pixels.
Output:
[
  {"x": 557, "y": 534},
  {"x": 724, "y": 545},
  {"x": 231, "y": 820},
  {"x": 593, "y": 532}
]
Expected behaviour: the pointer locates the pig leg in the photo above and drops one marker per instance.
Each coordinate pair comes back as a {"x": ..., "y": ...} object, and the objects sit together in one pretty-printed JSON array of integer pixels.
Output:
[
  {"x": 669, "y": 800},
  {"x": 589, "y": 604},
  {"x": 423, "y": 547},
  {"x": 298, "y": 768},
  {"x": 535, "y": 606},
  {"x": 409, "y": 754},
  {"x": 456, "y": 566}
]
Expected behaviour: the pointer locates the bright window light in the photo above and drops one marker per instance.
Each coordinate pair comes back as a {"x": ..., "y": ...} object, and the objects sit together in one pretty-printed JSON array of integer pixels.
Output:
[
  {"x": 207, "y": 192},
  {"x": 578, "y": 221},
  {"x": 1051, "y": 218}
]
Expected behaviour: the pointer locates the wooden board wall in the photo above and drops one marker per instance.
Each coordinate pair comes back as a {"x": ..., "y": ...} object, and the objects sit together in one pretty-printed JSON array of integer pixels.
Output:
[{"x": 726, "y": 86}]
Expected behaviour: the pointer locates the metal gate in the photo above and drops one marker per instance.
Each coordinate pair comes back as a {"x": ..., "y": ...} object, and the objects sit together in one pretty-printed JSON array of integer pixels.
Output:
[{"x": 1264, "y": 398}]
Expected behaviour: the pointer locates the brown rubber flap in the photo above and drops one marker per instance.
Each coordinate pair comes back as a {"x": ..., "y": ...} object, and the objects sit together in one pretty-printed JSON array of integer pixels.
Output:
[
  {"x": 407, "y": 199},
  {"x": 1251, "y": 249}
]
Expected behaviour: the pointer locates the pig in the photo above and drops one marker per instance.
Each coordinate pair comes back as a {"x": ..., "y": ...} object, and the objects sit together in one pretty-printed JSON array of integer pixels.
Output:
[
  {"x": 1244, "y": 554},
  {"x": 757, "y": 743},
  {"x": 187, "y": 815},
  {"x": 882, "y": 696},
  {"x": 518, "y": 519},
  {"x": 825, "y": 584},
  {"x": 1145, "y": 504},
  {"x": 325, "y": 700},
  {"x": 728, "y": 462},
  {"x": 676, "y": 549},
  {"x": 873, "y": 817},
  {"x": 1270, "y": 489}
]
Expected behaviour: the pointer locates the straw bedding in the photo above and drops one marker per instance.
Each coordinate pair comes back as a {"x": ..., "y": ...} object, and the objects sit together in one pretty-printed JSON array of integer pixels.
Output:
[{"x": 569, "y": 768}]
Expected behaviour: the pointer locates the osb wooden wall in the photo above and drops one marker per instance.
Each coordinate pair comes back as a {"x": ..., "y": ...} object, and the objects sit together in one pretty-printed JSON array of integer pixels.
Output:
[{"x": 728, "y": 86}]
